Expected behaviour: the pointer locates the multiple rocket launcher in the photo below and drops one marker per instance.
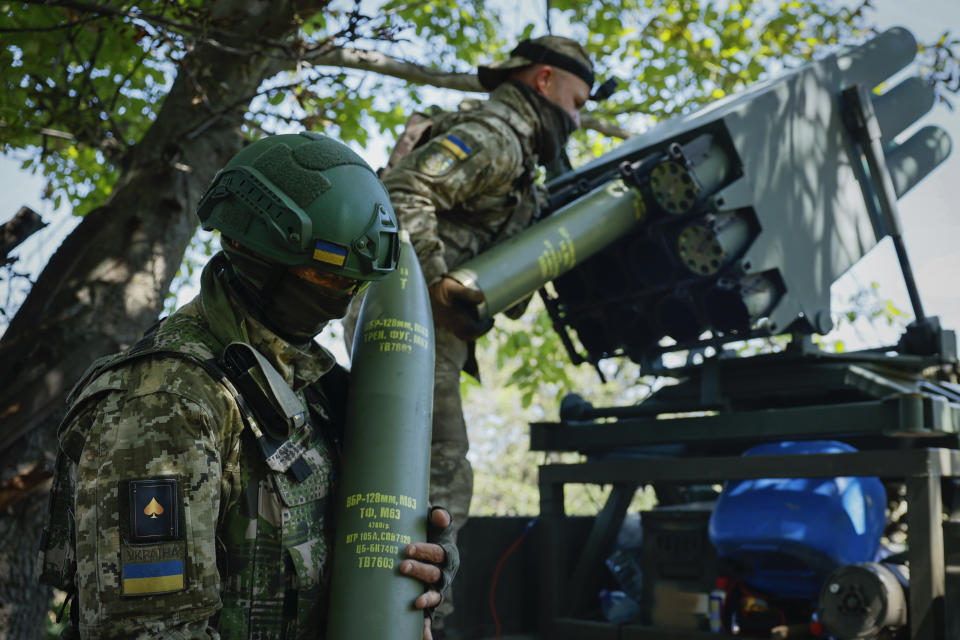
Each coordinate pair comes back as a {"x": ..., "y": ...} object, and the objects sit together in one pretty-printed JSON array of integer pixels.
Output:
[{"x": 735, "y": 219}]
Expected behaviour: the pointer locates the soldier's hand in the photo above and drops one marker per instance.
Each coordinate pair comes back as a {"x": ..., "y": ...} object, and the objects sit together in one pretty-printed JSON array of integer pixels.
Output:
[
  {"x": 433, "y": 563},
  {"x": 452, "y": 303}
]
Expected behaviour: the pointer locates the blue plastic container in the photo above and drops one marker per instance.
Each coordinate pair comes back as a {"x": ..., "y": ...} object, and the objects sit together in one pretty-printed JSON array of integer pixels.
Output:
[{"x": 784, "y": 536}]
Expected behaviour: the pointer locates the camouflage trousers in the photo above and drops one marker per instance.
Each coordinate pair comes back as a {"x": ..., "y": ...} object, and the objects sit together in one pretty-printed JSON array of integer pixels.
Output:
[{"x": 451, "y": 476}]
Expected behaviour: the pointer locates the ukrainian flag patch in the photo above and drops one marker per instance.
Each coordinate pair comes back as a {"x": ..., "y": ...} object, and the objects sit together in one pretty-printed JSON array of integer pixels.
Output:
[
  {"x": 148, "y": 578},
  {"x": 330, "y": 253},
  {"x": 457, "y": 146},
  {"x": 442, "y": 155}
]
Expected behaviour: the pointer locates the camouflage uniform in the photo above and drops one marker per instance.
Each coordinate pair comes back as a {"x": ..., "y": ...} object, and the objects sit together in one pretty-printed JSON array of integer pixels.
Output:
[
  {"x": 455, "y": 207},
  {"x": 243, "y": 547}
]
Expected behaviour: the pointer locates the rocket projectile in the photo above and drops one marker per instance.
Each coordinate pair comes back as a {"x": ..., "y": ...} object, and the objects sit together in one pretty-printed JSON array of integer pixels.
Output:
[
  {"x": 382, "y": 500},
  {"x": 517, "y": 267},
  {"x": 707, "y": 245},
  {"x": 692, "y": 173}
]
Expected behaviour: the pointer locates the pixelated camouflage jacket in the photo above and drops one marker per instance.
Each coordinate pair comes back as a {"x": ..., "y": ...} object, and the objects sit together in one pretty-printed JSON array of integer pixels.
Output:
[
  {"x": 243, "y": 548},
  {"x": 472, "y": 183}
]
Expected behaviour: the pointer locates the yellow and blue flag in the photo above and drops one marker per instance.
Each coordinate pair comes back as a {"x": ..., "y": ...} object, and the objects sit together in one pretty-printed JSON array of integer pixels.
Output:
[
  {"x": 442, "y": 155},
  {"x": 330, "y": 253},
  {"x": 457, "y": 146},
  {"x": 152, "y": 577}
]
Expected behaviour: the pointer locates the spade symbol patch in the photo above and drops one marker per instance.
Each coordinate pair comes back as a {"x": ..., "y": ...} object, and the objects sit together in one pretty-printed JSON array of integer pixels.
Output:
[{"x": 154, "y": 508}]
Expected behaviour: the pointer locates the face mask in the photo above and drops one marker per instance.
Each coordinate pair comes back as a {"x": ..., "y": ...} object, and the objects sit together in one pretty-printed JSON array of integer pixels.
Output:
[
  {"x": 556, "y": 125},
  {"x": 293, "y": 308}
]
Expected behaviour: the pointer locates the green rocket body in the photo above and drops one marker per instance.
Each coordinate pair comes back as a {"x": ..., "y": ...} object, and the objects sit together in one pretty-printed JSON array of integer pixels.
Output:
[
  {"x": 382, "y": 498},
  {"x": 519, "y": 266}
]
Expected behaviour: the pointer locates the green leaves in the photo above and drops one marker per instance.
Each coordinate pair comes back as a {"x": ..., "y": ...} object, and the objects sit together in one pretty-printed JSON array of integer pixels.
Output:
[
  {"x": 676, "y": 55},
  {"x": 533, "y": 353},
  {"x": 95, "y": 77},
  {"x": 77, "y": 93},
  {"x": 459, "y": 33}
]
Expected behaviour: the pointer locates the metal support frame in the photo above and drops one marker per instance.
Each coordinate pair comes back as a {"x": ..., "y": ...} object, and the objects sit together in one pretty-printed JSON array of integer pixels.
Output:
[
  {"x": 863, "y": 125},
  {"x": 922, "y": 470},
  {"x": 927, "y": 578},
  {"x": 905, "y": 415}
]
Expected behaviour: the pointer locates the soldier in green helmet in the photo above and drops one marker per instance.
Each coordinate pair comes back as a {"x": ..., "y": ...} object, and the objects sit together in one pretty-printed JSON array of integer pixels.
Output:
[
  {"x": 463, "y": 181},
  {"x": 193, "y": 493}
]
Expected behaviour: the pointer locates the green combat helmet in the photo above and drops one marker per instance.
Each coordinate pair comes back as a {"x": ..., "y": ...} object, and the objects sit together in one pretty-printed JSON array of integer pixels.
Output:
[{"x": 305, "y": 199}]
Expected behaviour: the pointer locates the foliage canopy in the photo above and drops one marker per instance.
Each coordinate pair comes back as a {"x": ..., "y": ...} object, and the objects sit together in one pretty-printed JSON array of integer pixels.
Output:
[{"x": 83, "y": 82}]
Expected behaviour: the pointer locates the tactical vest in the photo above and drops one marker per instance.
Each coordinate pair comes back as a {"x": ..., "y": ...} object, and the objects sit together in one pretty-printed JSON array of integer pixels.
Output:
[{"x": 274, "y": 536}]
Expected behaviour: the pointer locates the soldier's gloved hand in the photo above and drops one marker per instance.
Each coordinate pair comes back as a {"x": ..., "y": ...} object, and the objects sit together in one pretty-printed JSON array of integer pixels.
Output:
[
  {"x": 434, "y": 562},
  {"x": 452, "y": 303}
]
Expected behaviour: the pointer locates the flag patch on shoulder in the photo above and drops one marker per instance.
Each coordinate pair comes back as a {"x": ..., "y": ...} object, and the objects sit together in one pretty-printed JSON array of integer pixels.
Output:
[
  {"x": 148, "y": 578},
  {"x": 442, "y": 154},
  {"x": 457, "y": 146},
  {"x": 153, "y": 551}
]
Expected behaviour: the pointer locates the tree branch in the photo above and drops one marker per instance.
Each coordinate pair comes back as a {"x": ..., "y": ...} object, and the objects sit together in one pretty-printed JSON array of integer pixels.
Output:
[
  {"x": 90, "y": 64},
  {"x": 374, "y": 61},
  {"x": 55, "y": 27},
  {"x": 607, "y": 129},
  {"x": 322, "y": 54},
  {"x": 17, "y": 487},
  {"x": 126, "y": 78}
]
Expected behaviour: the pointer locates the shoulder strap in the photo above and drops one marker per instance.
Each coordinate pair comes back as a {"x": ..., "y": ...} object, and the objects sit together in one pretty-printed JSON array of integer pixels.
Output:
[
  {"x": 524, "y": 183},
  {"x": 523, "y": 128},
  {"x": 415, "y": 133},
  {"x": 57, "y": 557},
  {"x": 57, "y": 552},
  {"x": 328, "y": 396},
  {"x": 280, "y": 455},
  {"x": 100, "y": 365},
  {"x": 238, "y": 368},
  {"x": 524, "y": 131}
]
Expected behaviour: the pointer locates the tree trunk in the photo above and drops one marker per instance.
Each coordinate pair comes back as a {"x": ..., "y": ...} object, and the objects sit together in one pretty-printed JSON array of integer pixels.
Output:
[{"x": 107, "y": 282}]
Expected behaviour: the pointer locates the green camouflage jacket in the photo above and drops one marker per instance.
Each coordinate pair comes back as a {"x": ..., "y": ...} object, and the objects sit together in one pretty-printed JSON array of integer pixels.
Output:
[
  {"x": 472, "y": 183},
  {"x": 184, "y": 528}
]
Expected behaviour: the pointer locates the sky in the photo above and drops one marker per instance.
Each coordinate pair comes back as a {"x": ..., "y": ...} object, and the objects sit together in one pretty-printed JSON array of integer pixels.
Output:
[
  {"x": 929, "y": 212},
  {"x": 930, "y": 217}
]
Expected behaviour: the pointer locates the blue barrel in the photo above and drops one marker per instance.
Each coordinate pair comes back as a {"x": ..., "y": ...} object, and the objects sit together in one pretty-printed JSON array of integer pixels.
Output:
[{"x": 784, "y": 536}]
